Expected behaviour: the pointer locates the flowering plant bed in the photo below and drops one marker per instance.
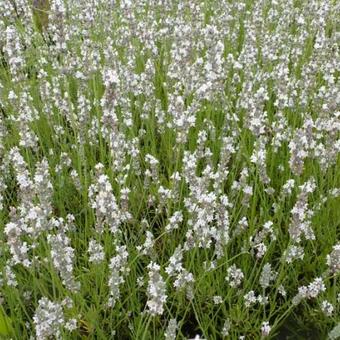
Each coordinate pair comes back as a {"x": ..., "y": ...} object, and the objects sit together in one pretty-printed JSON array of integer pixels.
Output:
[{"x": 169, "y": 169}]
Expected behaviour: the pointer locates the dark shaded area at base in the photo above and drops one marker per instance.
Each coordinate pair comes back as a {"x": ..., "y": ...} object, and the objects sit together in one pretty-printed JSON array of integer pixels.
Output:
[{"x": 290, "y": 331}]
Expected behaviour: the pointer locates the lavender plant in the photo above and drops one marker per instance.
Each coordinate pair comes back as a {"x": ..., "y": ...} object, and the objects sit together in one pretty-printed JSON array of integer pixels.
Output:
[{"x": 169, "y": 169}]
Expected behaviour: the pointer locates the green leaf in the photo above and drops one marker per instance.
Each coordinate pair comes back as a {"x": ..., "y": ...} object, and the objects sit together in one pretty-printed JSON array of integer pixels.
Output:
[{"x": 5, "y": 324}]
